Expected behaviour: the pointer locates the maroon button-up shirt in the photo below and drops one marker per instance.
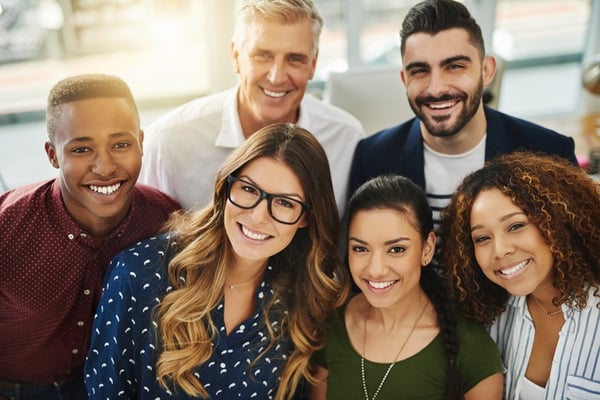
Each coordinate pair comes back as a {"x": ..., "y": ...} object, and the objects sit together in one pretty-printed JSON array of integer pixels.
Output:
[{"x": 51, "y": 278}]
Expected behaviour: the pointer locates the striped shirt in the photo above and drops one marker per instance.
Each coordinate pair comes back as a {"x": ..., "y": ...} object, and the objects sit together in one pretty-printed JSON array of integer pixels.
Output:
[{"x": 575, "y": 372}]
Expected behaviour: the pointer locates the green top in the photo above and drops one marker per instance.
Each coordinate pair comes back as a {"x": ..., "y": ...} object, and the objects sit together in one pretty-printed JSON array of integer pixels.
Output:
[{"x": 422, "y": 376}]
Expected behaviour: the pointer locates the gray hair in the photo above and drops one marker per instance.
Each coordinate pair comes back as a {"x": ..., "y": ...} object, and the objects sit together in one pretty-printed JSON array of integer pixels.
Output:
[{"x": 283, "y": 11}]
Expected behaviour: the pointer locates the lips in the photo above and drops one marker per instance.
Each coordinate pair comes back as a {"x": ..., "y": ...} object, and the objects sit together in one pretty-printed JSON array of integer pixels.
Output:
[
  {"x": 514, "y": 269},
  {"x": 381, "y": 284},
  {"x": 106, "y": 190},
  {"x": 253, "y": 235},
  {"x": 274, "y": 94}
]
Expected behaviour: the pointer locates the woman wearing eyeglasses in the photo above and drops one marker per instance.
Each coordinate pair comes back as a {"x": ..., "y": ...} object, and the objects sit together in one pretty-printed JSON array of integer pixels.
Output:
[{"x": 230, "y": 303}]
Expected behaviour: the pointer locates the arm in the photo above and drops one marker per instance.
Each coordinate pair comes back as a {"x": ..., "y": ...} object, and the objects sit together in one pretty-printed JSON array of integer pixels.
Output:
[
  {"x": 109, "y": 368},
  {"x": 318, "y": 391},
  {"x": 488, "y": 389}
]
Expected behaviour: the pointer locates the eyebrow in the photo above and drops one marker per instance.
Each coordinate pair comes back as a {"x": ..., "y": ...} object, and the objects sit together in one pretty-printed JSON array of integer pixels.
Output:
[
  {"x": 86, "y": 139},
  {"x": 447, "y": 61},
  {"x": 387, "y": 242},
  {"x": 250, "y": 180},
  {"x": 502, "y": 219}
]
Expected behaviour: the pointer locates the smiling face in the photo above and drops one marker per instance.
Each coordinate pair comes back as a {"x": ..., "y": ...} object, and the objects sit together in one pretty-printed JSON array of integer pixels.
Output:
[
  {"x": 510, "y": 250},
  {"x": 97, "y": 148},
  {"x": 254, "y": 235},
  {"x": 386, "y": 254},
  {"x": 274, "y": 61},
  {"x": 444, "y": 78}
]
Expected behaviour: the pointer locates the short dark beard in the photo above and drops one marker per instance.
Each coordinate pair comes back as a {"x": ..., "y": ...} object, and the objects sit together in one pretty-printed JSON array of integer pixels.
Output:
[{"x": 467, "y": 113}]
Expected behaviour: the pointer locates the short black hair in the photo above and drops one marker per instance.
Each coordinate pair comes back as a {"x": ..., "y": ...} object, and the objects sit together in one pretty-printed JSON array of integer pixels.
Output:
[
  {"x": 81, "y": 87},
  {"x": 434, "y": 16}
]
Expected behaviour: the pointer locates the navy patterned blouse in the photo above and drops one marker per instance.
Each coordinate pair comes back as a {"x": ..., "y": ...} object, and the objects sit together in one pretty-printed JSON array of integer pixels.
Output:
[{"x": 121, "y": 362}]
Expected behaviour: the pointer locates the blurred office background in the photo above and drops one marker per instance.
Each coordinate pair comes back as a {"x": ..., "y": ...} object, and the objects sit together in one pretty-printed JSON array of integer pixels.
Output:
[{"x": 170, "y": 51}]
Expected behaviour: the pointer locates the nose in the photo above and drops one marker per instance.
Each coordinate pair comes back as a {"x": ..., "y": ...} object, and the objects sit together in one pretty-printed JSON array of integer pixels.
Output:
[
  {"x": 502, "y": 247},
  {"x": 437, "y": 83},
  {"x": 260, "y": 213},
  {"x": 276, "y": 73},
  {"x": 376, "y": 266},
  {"x": 104, "y": 164}
]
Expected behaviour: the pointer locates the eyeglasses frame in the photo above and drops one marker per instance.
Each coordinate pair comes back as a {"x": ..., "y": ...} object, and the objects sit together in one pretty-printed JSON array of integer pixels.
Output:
[{"x": 265, "y": 195}]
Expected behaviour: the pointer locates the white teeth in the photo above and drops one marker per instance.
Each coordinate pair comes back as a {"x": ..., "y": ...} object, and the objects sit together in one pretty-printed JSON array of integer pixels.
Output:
[
  {"x": 106, "y": 190},
  {"x": 441, "y": 106},
  {"x": 512, "y": 270},
  {"x": 252, "y": 235},
  {"x": 274, "y": 94},
  {"x": 381, "y": 285}
]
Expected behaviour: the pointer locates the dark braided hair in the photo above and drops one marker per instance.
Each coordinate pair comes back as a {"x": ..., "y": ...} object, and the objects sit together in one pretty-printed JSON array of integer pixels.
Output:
[{"x": 401, "y": 194}]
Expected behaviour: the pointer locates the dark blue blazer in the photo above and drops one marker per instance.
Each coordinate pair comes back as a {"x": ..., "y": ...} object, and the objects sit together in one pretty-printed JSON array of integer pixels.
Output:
[{"x": 399, "y": 149}]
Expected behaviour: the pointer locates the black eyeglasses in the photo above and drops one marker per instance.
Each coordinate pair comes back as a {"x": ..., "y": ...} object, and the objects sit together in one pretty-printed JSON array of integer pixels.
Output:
[{"x": 246, "y": 195}]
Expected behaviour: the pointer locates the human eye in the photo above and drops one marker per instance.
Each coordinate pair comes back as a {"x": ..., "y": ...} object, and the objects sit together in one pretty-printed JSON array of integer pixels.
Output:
[
  {"x": 397, "y": 249},
  {"x": 249, "y": 189},
  {"x": 121, "y": 146},
  {"x": 297, "y": 59},
  {"x": 516, "y": 226},
  {"x": 285, "y": 202},
  {"x": 80, "y": 150},
  {"x": 480, "y": 239},
  {"x": 261, "y": 56},
  {"x": 358, "y": 249}
]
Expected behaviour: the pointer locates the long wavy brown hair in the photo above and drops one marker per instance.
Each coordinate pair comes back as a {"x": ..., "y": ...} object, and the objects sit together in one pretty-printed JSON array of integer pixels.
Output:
[
  {"x": 306, "y": 276},
  {"x": 560, "y": 199}
]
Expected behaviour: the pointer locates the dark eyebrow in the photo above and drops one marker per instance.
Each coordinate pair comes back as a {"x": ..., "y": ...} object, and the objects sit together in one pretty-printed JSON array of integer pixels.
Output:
[
  {"x": 87, "y": 139},
  {"x": 454, "y": 59},
  {"x": 253, "y": 183},
  {"x": 387, "y": 242},
  {"x": 447, "y": 61}
]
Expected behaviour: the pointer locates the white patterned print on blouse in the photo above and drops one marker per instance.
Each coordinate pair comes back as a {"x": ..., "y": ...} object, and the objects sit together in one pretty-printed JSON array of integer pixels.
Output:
[{"x": 122, "y": 357}]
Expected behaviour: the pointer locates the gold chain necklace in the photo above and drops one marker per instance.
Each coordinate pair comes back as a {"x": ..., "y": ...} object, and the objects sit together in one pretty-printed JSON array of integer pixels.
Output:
[
  {"x": 234, "y": 285},
  {"x": 548, "y": 313},
  {"x": 362, "y": 358}
]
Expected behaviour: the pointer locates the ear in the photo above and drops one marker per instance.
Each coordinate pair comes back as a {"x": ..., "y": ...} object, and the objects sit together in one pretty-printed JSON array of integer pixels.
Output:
[
  {"x": 488, "y": 69},
  {"x": 428, "y": 249},
  {"x": 141, "y": 139},
  {"x": 402, "y": 76},
  {"x": 314, "y": 65},
  {"x": 235, "y": 54},
  {"x": 303, "y": 223},
  {"x": 51, "y": 153}
]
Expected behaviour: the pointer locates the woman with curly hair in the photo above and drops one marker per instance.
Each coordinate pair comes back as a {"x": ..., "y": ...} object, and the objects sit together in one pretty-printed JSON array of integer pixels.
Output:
[
  {"x": 231, "y": 302},
  {"x": 400, "y": 338},
  {"x": 521, "y": 240}
]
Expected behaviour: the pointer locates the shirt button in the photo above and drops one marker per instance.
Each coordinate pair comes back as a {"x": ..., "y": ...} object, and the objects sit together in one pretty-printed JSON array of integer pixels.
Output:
[
  {"x": 79, "y": 323},
  {"x": 71, "y": 236},
  {"x": 86, "y": 292},
  {"x": 75, "y": 351}
]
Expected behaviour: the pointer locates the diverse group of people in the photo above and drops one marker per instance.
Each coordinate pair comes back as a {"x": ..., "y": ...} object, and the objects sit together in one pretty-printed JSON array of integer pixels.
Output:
[{"x": 471, "y": 238}]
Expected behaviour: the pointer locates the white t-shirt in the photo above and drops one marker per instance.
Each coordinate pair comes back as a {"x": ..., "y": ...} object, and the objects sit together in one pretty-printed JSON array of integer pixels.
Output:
[
  {"x": 444, "y": 172},
  {"x": 184, "y": 148}
]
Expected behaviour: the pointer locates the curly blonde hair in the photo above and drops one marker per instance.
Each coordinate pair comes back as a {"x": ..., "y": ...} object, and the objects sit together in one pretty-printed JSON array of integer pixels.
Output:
[
  {"x": 305, "y": 276},
  {"x": 559, "y": 198}
]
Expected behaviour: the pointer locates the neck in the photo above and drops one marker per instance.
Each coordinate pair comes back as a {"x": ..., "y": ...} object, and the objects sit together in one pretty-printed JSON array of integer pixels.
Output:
[
  {"x": 245, "y": 274},
  {"x": 401, "y": 315}
]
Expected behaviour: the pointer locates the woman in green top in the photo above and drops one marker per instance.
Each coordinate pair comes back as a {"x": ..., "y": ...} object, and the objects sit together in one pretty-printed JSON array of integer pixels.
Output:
[{"x": 400, "y": 338}]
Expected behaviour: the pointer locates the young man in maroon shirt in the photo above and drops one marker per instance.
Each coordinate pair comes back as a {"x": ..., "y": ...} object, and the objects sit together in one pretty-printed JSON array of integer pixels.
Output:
[{"x": 58, "y": 236}]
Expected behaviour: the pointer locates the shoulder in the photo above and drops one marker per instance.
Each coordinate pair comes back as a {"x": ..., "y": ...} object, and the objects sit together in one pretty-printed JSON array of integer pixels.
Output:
[
  {"x": 189, "y": 114},
  {"x": 325, "y": 113},
  {"x": 392, "y": 136},
  {"x": 25, "y": 197},
  {"x": 515, "y": 125},
  {"x": 146, "y": 257}
]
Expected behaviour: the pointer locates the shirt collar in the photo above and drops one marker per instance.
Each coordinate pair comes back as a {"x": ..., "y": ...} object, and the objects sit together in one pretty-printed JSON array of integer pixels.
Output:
[{"x": 230, "y": 133}]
